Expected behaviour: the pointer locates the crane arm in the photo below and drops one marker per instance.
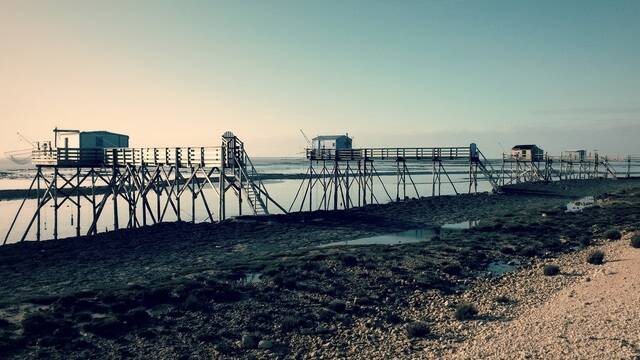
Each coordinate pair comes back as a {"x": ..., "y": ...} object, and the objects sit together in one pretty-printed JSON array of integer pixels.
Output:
[
  {"x": 305, "y": 137},
  {"x": 26, "y": 139}
]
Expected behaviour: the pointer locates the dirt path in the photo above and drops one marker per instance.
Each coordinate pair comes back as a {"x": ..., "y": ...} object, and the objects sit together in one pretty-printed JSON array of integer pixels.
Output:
[{"x": 596, "y": 317}]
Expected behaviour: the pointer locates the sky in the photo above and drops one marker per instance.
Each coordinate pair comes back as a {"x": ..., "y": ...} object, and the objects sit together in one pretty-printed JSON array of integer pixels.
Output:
[{"x": 560, "y": 74}]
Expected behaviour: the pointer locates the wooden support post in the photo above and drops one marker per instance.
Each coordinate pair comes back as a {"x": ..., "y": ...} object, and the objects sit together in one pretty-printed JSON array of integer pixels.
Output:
[
  {"x": 177, "y": 183},
  {"x": 397, "y": 180},
  {"x": 346, "y": 177},
  {"x": 371, "y": 196},
  {"x": 116, "y": 191},
  {"x": 93, "y": 200},
  {"x": 223, "y": 205},
  {"x": 359, "y": 182},
  {"x": 310, "y": 185},
  {"x": 193, "y": 197},
  {"x": 127, "y": 187},
  {"x": 221, "y": 183},
  {"x": 335, "y": 185},
  {"x": 475, "y": 177},
  {"x": 158, "y": 190},
  {"x": 364, "y": 182},
  {"x": 433, "y": 178},
  {"x": 405, "y": 170},
  {"x": 439, "y": 180},
  {"x": 55, "y": 203},
  {"x": 38, "y": 175},
  {"x": 326, "y": 182},
  {"x": 240, "y": 180},
  {"x": 470, "y": 175},
  {"x": 78, "y": 202},
  {"x": 143, "y": 170}
]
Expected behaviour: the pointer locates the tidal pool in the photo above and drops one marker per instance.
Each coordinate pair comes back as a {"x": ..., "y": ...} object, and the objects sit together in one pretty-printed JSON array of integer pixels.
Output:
[
  {"x": 405, "y": 237},
  {"x": 498, "y": 268}
]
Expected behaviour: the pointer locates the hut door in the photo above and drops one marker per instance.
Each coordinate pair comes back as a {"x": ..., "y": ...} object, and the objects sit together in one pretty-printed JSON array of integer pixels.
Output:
[{"x": 66, "y": 148}]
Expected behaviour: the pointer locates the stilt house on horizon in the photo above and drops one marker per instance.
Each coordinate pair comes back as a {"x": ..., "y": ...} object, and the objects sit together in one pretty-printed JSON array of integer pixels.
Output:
[
  {"x": 332, "y": 142},
  {"x": 527, "y": 152}
]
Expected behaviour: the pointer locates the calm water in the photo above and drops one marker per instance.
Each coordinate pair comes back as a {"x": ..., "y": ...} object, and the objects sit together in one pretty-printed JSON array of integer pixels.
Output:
[
  {"x": 406, "y": 237},
  {"x": 461, "y": 225}
]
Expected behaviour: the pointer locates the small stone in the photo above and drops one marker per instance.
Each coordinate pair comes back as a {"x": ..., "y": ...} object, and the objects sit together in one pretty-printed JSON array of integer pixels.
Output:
[{"x": 265, "y": 344}]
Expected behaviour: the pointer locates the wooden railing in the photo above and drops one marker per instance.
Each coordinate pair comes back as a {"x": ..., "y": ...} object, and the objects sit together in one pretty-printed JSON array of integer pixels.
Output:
[
  {"x": 450, "y": 153},
  {"x": 67, "y": 157},
  {"x": 178, "y": 156}
]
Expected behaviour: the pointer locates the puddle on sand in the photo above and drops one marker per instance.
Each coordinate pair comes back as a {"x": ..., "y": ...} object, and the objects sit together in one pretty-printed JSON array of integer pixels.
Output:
[
  {"x": 498, "y": 268},
  {"x": 405, "y": 237},
  {"x": 461, "y": 225},
  {"x": 582, "y": 203}
]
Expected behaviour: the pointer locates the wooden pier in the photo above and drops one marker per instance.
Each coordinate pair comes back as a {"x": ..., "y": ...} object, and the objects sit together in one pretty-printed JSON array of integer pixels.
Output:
[
  {"x": 134, "y": 175},
  {"x": 347, "y": 178},
  {"x": 152, "y": 181}
]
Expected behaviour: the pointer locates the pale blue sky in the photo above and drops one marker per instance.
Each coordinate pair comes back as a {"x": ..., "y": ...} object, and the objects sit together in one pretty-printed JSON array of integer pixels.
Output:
[{"x": 563, "y": 74}]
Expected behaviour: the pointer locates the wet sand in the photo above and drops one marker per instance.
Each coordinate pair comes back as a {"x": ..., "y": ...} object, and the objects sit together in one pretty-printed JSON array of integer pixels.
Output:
[{"x": 216, "y": 290}]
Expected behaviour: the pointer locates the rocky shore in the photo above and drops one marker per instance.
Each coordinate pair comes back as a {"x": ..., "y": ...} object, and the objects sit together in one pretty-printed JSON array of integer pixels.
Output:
[{"x": 262, "y": 288}]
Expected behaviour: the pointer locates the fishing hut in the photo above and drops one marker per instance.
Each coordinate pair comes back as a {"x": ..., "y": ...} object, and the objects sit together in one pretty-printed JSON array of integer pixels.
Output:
[
  {"x": 527, "y": 153},
  {"x": 98, "y": 167},
  {"x": 525, "y": 163},
  {"x": 332, "y": 142}
]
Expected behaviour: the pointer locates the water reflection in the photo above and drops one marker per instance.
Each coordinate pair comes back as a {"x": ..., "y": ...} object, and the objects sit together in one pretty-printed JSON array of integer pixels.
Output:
[
  {"x": 468, "y": 224},
  {"x": 406, "y": 237}
]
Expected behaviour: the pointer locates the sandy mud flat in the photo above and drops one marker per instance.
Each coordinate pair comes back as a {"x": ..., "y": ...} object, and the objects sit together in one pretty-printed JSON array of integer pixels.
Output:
[{"x": 266, "y": 288}]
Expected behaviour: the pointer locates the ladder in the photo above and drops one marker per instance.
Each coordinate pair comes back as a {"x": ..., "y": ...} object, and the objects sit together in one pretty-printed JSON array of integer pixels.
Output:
[
  {"x": 243, "y": 176},
  {"x": 488, "y": 171}
]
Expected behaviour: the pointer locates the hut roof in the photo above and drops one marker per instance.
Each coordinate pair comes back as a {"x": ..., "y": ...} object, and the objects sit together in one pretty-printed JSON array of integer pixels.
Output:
[
  {"x": 329, "y": 137},
  {"x": 524, "y": 147}
]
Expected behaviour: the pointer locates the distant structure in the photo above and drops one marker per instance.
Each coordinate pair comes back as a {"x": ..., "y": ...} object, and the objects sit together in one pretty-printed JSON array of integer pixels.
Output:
[
  {"x": 578, "y": 155},
  {"x": 527, "y": 152},
  {"x": 332, "y": 142}
]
